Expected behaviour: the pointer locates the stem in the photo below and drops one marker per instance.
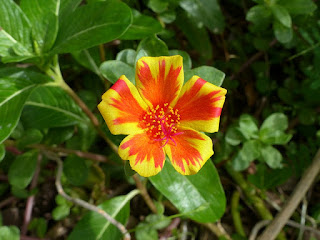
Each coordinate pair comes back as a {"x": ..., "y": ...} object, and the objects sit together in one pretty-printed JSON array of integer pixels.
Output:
[
  {"x": 252, "y": 197},
  {"x": 86, "y": 205},
  {"x": 217, "y": 229},
  {"x": 236, "y": 213},
  {"x": 144, "y": 193},
  {"x": 282, "y": 217}
]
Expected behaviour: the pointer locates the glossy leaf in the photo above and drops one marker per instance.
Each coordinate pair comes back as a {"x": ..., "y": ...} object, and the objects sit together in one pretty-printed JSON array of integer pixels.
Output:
[
  {"x": 142, "y": 26},
  {"x": 113, "y": 69},
  {"x": 89, "y": 58},
  {"x": 282, "y": 33},
  {"x": 271, "y": 156},
  {"x": 108, "y": 21},
  {"x": 75, "y": 170},
  {"x": 206, "y": 11},
  {"x": 198, "y": 196},
  {"x": 210, "y": 74},
  {"x": 15, "y": 87},
  {"x": 60, "y": 212},
  {"x": 9, "y": 232},
  {"x": 127, "y": 56},
  {"x": 94, "y": 226},
  {"x": 298, "y": 6},
  {"x": 282, "y": 15},
  {"x": 248, "y": 153},
  {"x": 15, "y": 33},
  {"x": 43, "y": 15},
  {"x": 50, "y": 106},
  {"x": 22, "y": 169},
  {"x": 152, "y": 47}
]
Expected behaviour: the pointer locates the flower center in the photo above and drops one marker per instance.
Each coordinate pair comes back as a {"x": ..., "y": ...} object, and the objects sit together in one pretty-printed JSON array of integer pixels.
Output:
[{"x": 161, "y": 123}]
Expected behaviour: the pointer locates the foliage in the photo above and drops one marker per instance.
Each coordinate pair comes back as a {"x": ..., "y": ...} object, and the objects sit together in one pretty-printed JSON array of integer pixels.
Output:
[{"x": 59, "y": 56}]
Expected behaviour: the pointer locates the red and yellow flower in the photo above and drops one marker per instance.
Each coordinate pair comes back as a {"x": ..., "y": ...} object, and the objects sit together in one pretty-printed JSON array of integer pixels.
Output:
[{"x": 163, "y": 117}]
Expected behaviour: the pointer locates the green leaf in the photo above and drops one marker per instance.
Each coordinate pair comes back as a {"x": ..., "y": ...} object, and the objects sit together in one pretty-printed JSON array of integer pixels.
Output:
[
  {"x": 127, "y": 56},
  {"x": 141, "y": 27},
  {"x": 15, "y": 33},
  {"x": 9, "y": 232},
  {"x": 259, "y": 15},
  {"x": 271, "y": 156},
  {"x": 196, "y": 34},
  {"x": 206, "y": 11},
  {"x": 248, "y": 153},
  {"x": 276, "y": 121},
  {"x": 158, "y": 6},
  {"x": 22, "y": 169},
  {"x": 58, "y": 135},
  {"x": 282, "y": 33},
  {"x": 2, "y": 152},
  {"x": 50, "y": 106},
  {"x": 234, "y": 136},
  {"x": 60, "y": 212},
  {"x": 93, "y": 226},
  {"x": 108, "y": 21},
  {"x": 187, "y": 63},
  {"x": 30, "y": 136},
  {"x": 15, "y": 87},
  {"x": 210, "y": 74},
  {"x": 274, "y": 137},
  {"x": 113, "y": 69},
  {"x": 89, "y": 58},
  {"x": 158, "y": 221},
  {"x": 298, "y": 6},
  {"x": 282, "y": 15},
  {"x": 75, "y": 170},
  {"x": 152, "y": 47},
  {"x": 200, "y": 196},
  {"x": 43, "y": 15},
  {"x": 144, "y": 231},
  {"x": 67, "y": 7},
  {"x": 248, "y": 126},
  {"x": 84, "y": 137},
  {"x": 265, "y": 178},
  {"x": 39, "y": 225}
]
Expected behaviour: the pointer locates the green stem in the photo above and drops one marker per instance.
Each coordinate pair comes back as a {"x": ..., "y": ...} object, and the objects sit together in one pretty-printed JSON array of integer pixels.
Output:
[
  {"x": 235, "y": 212},
  {"x": 250, "y": 193}
]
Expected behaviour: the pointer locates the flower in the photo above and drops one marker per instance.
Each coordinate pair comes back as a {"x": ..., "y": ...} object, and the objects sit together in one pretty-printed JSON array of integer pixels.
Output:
[{"x": 163, "y": 117}]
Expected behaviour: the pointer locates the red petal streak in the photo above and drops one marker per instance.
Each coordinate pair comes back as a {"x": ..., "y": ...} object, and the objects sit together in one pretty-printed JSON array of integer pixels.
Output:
[
  {"x": 184, "y": 150},
  {"x": 194, "y": 106},
  {"x": 145, "y": 149},
  {"x": 161, "y": 89},
  {"x": 127, "y": 104}
]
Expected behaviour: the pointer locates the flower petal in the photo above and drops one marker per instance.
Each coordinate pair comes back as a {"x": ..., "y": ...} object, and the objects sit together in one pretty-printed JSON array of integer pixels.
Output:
[
  {"x": 200, "y": 104},
  {"x": 189, "y": 151},
  {"x": 146, "y": 156},
  {"x": 159, "y": 79},
  {"x": 122, "y": 107}
]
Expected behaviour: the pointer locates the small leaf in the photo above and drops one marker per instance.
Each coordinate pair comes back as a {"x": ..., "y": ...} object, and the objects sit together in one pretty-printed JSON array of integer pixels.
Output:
[
  {"x": 210, "y": 74},
  {"x": 158, "y": 6},
  {"x": 108, "y": 21},
  {"x": 234, "y": 136},
  {"x": 93, "y": 226},
  {"x": 113, "y": 69},
  {"x": 127, "y": 56},
  {"x": 60, "y": 212},
  {"x": 152, "y": 47},
  {"x": 259, "y": 15},
  {"x": 206, "y": 11},
  {"x": 271, "y": 156},
  {"x": 158, "y": 221},
  {"x": 248, "y": 126},
  {"x": 30, "y": 136},
  {"x": 187, "y": 63},
  {"x": 298, "y": 6},
  {"x": 189, "y": 193},
  {"x": 276, "y": 121},
  {"x": 144, "y": 231},
  {"x": 22, "y": 169},
  {"x": 75, "y": 170},
  {"x": 248, "y": 153},
  {"x": 9, "y": 232},
  {"x": 89, "y": 58},
  {"x": 283, "y": 34},
  {"x": 141, "y": 27},
  {"x": 282, "y": 15}
]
